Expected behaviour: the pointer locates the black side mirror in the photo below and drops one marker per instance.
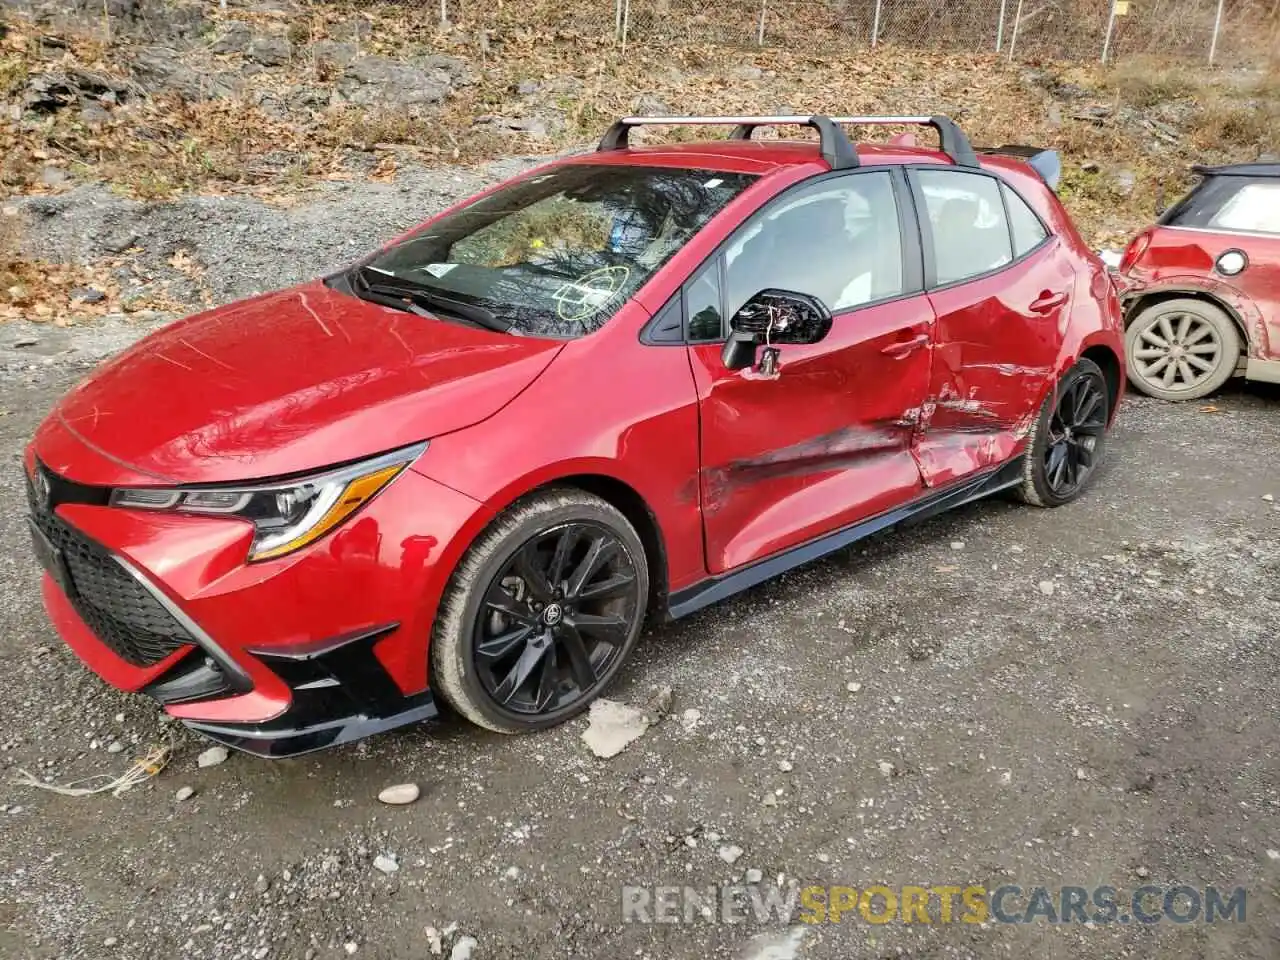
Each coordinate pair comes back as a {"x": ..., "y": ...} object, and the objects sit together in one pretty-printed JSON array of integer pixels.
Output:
[{"x": 774, "y": 317}]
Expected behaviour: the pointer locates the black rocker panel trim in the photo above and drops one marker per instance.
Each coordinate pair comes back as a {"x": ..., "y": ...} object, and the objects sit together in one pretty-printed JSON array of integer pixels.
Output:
[{"x": 694, "y": 598}]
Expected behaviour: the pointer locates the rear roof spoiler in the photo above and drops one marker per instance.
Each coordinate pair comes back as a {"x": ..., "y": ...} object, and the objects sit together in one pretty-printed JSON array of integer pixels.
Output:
[{"x": 1046, "y": 163}]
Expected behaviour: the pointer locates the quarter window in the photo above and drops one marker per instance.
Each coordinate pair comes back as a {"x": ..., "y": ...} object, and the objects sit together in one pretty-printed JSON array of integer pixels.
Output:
[
  {"x": 966, "y": 220},
  {"x": 1028, "y": 232},
  {"x": 702, "y": 303}
]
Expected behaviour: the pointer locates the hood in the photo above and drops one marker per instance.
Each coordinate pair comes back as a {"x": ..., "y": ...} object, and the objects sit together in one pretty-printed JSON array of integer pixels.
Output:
[{"x": 289, "y": 382}]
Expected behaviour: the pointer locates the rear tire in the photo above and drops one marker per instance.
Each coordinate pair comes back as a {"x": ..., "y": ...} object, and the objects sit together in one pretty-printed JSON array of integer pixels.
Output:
[
  {"x": 1068, "y": 441},
  {"x": 1181, "y": 349},
  {"x": 541, "y": 612}
]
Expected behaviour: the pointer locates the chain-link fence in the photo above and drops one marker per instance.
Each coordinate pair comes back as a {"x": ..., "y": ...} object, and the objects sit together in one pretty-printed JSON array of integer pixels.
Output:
[{"x": 1218, "y": 31}]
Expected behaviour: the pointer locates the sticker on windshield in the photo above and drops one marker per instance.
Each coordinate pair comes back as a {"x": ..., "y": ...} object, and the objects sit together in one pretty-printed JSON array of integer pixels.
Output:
[
  {"x": 439, "y": 269},
  {"x": 712, "y": 183},
  {"x": 580, "y": 298}
]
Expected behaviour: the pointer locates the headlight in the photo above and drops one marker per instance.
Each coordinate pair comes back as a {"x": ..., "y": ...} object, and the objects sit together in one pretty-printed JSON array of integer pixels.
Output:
[{"x": 287, "y": 515}]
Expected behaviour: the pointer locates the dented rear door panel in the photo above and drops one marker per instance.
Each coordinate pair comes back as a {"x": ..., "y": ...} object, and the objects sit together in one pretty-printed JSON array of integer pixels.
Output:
[{"x": 996, "y": 344}]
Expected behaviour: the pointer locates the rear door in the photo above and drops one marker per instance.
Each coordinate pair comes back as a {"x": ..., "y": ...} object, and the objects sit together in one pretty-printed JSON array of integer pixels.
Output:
[
  {"x": 825, "y": 442},
  {"x": 1001, "y": 286}
]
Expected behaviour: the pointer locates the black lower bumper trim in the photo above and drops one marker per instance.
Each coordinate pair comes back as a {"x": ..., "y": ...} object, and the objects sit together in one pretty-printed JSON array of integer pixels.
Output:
[
  {"x": 273, "y": 742},
  {"x": 197, "y": 676},
  {"x": 340, "y": 692}
]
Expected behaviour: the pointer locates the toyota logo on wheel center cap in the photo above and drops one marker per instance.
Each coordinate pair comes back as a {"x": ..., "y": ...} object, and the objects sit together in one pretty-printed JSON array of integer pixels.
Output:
[{"x": 552, "y": 614}]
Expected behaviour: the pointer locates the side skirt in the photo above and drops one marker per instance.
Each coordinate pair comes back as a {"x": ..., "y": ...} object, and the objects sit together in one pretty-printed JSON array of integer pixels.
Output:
[
  {"x": 1265, "y": 371},
  {"x": 715, "y": 589}
]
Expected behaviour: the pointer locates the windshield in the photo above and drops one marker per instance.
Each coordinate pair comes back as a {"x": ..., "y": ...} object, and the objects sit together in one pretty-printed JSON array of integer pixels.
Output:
[{"x": 556, "y": 254}]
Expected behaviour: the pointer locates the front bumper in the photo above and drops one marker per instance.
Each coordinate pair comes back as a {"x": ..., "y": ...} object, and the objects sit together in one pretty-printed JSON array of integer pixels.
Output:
[
  {"x": 340, "y": 693},
  {"x": 277, "y": 658}
]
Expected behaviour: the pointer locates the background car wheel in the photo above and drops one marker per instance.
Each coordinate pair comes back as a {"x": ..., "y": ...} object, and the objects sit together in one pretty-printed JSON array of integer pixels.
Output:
[
  {"x": 541, "y": 612},
  {"x": 1068, "y": 439},
  {"x": 1181, "y": 349}
]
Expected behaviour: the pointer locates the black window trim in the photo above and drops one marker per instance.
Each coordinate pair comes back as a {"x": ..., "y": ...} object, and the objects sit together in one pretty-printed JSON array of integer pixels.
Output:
[
  {"x": 926, "y": 226},
  {"x": 909, "y": 239}
]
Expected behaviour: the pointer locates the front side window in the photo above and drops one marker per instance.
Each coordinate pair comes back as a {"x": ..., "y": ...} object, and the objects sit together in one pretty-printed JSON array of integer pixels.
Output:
[
  {"x": 967, "y": 223},
  {"x": 1245, "y": 204},
  {"x": 837, "y": 239},
  {"x": 556, "y": 254}
]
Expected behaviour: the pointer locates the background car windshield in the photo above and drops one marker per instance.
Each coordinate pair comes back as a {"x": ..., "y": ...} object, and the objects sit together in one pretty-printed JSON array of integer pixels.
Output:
[{"x": 559, "y": 253}]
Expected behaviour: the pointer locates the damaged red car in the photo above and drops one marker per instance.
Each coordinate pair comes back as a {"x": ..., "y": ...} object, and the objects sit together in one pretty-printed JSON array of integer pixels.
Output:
[
  {"x": 624, "y": 385},
  {"x": 1201, "y": 288}
]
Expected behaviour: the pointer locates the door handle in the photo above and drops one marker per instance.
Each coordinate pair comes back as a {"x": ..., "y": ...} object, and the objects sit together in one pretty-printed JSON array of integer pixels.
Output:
[
  {"x": 900, "y": 350},
  {"x": 1047, "y": 302}
]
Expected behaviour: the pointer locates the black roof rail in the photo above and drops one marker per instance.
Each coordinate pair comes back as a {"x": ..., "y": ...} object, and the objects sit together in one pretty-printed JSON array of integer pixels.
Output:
[
  {"x": 953, "y": 140},
  {"x": 836, "y": 148}
]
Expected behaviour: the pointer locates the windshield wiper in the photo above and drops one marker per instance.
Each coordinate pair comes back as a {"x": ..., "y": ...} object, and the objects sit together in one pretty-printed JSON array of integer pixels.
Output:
[{"x": 415, "y": 294}]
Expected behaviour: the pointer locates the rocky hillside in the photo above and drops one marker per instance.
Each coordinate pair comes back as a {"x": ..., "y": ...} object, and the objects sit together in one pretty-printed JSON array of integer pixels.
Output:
[{"x": 167, "y": 154}]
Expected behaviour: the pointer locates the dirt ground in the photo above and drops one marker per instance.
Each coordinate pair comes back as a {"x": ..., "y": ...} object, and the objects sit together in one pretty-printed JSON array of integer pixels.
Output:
[{"x": 1117, "y": 727}]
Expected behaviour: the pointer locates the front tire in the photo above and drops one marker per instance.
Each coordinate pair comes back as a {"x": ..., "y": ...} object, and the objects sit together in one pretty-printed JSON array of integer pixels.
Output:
[
  {"x": 1068, "y": 440},
  {"x": 1181, "y": 349},
  {"x": 541, "y": 613}
]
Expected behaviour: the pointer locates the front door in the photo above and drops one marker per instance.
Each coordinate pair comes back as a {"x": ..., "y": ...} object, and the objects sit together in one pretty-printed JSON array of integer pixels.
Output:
[
  {"x": 826, "y": 441},
  {"x": 1001, "y": 287}
]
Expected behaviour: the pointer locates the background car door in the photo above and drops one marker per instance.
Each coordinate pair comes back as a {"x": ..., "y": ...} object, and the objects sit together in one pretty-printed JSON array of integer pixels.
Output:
[
  {"x": 825, "y": 442},
  {"x": 1001, "y": 288}
]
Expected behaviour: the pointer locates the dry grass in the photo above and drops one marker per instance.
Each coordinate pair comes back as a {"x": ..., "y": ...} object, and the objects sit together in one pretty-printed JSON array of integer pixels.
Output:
[
  {"x": 1237, "y": 125},
  {"x": 1145, "y": 82}
]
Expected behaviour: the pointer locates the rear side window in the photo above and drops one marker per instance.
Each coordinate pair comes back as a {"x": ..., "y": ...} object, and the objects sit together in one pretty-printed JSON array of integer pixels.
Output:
[
  {"x": 1028, "y": 232},
  {"x": 1248, "y": 204},
  {"x": 966, "y": 220}
]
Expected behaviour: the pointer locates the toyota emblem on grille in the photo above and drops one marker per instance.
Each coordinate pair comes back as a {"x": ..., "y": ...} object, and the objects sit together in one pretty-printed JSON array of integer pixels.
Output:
[{"x": 40, "y": 485}]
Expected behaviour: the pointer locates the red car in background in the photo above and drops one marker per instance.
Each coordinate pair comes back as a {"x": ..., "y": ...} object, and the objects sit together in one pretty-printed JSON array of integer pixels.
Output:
[
  {"x": 627, "y": 383},
  {"x": 1202, "y": 286}
]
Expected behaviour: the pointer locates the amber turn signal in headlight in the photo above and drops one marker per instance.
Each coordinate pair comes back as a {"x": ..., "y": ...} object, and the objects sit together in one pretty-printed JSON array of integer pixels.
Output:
[{"x": 287, "y": 515}]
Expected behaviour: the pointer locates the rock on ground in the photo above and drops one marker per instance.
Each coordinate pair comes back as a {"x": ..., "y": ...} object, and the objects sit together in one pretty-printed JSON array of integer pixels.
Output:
[{"x": 613, "y": 725}]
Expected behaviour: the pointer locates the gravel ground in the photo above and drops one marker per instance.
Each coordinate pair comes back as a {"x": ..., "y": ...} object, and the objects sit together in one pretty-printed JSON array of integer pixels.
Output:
[
  {"x": 238, "y": 246},
  {"x": 1080, "y": 696}
]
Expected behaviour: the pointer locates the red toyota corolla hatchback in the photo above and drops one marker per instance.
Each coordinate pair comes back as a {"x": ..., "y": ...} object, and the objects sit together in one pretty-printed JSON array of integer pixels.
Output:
[{"x": 630, "y": 382}]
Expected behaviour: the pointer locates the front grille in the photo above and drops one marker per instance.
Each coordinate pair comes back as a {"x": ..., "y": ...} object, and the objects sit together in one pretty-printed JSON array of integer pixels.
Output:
[{"x": 120, "y": 611}]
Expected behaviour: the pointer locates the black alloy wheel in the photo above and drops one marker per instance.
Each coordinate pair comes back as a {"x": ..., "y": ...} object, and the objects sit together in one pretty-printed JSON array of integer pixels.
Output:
[
  {"x": 1068, "y": 440},
  {"x": 555, "y": 618},
  {"x": 1075, "y": 434}
]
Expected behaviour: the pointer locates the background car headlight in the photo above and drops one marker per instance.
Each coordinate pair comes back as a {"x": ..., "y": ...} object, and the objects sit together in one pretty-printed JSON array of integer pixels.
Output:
[{"x": 287, "y": 515}]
